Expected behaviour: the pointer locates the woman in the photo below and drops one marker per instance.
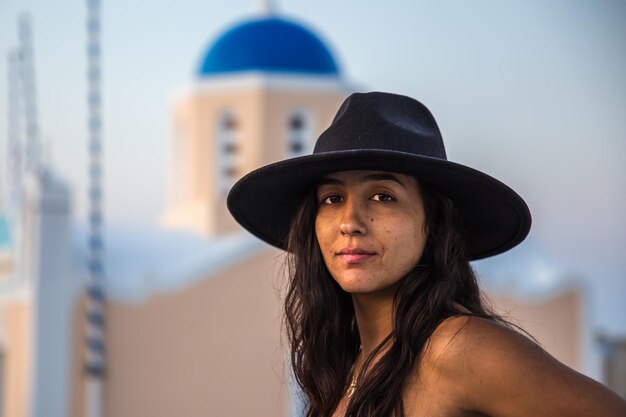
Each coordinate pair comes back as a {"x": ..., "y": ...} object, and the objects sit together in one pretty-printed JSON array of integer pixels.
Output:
[{"x": 383, "y": 311}]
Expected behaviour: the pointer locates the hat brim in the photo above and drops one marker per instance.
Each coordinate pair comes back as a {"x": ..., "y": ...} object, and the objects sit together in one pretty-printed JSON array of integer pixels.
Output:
[{"x": 494, "y": 217}]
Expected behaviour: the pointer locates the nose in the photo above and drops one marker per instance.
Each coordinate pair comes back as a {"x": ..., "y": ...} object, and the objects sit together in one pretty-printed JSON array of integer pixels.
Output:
[{"x": 352, "y": 223}]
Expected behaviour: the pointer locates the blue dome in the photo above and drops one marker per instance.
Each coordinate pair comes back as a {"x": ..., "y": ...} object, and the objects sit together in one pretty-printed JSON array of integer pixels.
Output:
[{"x": 268, "y": 44}]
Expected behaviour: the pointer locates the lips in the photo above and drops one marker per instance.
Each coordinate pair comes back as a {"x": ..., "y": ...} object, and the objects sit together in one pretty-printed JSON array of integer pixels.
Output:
[{"x": 354, "y": 255}]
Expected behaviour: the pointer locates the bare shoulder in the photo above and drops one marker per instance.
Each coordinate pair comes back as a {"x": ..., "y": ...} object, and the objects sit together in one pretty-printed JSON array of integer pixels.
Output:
[
  {"x": 496, "y": 370},
  {"x": 466, "y": 346},
  {"x": 459, "y": 336}
]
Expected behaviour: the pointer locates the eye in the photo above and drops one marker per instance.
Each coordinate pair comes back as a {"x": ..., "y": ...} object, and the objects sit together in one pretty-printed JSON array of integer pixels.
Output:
[
  {"x": 331, "y": 199},
  {"x": 383, "y": 197}
]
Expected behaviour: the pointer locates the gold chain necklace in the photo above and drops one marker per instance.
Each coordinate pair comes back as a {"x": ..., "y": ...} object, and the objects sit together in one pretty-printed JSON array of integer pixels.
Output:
[
  {"x": 352, "y": 387},
  {"x": 355, "y": 378}
]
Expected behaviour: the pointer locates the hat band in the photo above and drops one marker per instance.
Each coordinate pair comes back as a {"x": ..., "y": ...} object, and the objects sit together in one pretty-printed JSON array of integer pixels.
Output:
[{"x": 399, "y": 140}]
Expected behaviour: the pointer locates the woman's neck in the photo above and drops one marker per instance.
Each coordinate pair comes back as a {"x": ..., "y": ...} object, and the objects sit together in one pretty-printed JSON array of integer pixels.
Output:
[{"x": 374, "y": 319}]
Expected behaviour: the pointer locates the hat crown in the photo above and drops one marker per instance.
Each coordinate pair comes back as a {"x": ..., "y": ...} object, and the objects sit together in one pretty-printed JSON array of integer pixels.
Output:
[{"x": 383, "y": 121}]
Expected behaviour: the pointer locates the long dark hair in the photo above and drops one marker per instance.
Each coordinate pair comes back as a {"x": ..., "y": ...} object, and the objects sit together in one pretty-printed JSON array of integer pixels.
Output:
[{"x": 320, "y": 324}]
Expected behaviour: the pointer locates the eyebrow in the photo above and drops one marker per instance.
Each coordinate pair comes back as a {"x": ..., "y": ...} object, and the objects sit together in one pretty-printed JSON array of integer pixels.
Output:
[{"x": 379, "y": 176}]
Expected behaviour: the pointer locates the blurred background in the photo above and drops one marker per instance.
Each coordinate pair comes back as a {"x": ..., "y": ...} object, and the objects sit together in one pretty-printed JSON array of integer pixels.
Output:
[{"x": 125, "y": 287}]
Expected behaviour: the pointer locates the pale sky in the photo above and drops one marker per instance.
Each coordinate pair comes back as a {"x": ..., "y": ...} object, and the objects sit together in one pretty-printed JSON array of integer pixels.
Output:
[{"x": 531, "y": 92}]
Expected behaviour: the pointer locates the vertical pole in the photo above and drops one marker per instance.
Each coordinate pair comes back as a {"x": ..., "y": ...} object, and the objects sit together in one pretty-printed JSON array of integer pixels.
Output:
[
  {"x": 29, "y": 93},
  {"x": 14, "y": 152},
  {"x": 94, "y": 361}
]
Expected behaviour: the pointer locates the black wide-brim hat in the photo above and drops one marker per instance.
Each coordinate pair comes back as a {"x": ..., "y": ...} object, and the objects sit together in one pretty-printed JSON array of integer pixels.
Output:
[{"x": 383, "y": 132}]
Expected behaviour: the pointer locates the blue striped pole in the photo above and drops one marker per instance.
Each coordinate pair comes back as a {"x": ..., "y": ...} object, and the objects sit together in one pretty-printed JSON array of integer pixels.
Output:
[
  {"x": 29, "y": 93},
  {"x": 14, "y": 153},
  {"x": 94, "y": 360}
]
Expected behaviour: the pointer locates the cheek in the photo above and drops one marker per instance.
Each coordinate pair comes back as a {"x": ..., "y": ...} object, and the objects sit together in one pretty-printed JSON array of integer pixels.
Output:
[
  {"x": 411, "y": 242},
  {"x": 319, "y": 233},
  {"x": 420, "y": 243},
  {"x": 322, "y": 236}
]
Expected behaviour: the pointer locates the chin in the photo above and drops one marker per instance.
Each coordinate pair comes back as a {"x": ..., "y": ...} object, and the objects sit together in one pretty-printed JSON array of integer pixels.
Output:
[
  {"x": 353, "y": 287},
  {"x": 356, "y": 287}
]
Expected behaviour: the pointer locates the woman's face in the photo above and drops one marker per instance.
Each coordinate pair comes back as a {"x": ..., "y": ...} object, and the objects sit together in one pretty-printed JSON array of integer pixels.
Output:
[{"x": 370, "y": 226}]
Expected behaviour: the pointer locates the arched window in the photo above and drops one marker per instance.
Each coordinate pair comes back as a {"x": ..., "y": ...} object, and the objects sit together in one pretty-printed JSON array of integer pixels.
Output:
[
  {"x": 228, "y": 151},
  {"x": 299, "y": 134}
]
